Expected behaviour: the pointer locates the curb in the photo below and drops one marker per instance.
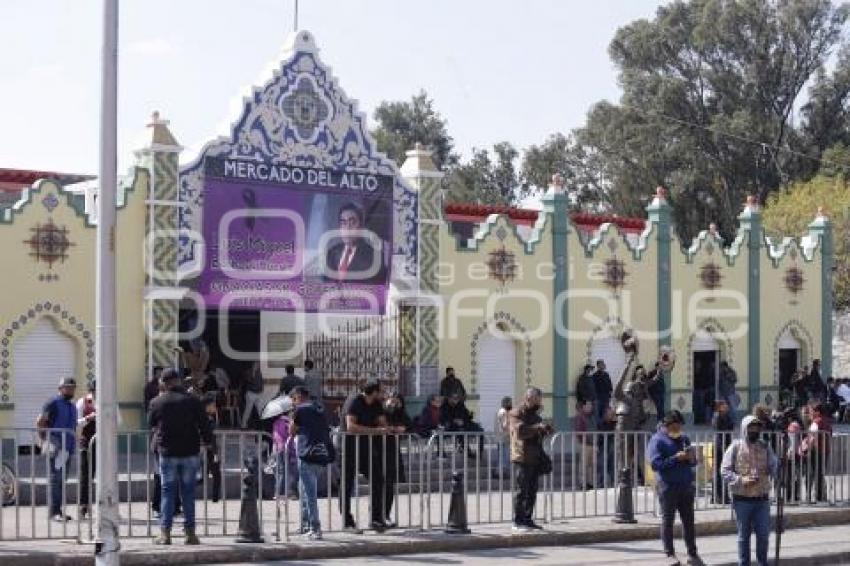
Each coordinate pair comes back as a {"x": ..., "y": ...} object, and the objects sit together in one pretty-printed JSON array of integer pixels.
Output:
[{"x": 422, "y": 542}]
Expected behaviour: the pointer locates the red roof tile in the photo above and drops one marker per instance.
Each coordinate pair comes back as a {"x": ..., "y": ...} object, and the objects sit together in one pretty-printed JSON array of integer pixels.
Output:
[{"x": 470, "y": 212}]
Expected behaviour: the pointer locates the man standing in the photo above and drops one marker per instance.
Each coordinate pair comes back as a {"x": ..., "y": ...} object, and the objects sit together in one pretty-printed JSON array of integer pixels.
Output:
[
  {"x": 586, "y": 388},
  {"x": 602, "y": 381},
  {"x": 315, "y": 451},
  {"x": 60, "y": 416},
  {"x": 527, "y": 433},
  {"x": 86, "y": 410},
  {"x": 253, "y": 392},
  {"x": 748, "y": 465},
  {"x": 362, "y": 452},
  {"x": 673, "y": 459},
  {"x": 451, "y": 385},
  {"x": 728, "y": 380},
  {"x": 180, "y": 424},
  {"x": 289, "y": 381},
  {"x": 313, "y": 381}
]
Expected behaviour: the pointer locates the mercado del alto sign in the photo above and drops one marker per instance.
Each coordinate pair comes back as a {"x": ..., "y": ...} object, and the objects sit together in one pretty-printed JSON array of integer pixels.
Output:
[
  {"x": 293, "y": 238},
  {"x": 263, "y": 172}
]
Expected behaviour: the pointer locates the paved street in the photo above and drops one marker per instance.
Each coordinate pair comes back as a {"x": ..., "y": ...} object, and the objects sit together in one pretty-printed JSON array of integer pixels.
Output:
[{"x": 799, "y": 546}]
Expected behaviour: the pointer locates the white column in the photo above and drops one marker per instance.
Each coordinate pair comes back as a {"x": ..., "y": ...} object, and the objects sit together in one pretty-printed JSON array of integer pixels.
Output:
[{"x": 106, "y": 511}]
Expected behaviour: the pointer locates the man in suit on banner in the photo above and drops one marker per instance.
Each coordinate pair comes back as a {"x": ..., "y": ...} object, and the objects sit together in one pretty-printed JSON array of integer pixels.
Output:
[{"x": 353, "y": 259}]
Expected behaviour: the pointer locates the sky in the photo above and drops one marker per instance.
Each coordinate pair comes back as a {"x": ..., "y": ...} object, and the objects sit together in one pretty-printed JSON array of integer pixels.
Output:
[{"x": 497, "y": 70}]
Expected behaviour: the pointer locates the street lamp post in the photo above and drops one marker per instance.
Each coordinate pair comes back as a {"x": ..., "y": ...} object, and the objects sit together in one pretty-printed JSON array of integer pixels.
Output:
[{"x": 106, "y": 513}]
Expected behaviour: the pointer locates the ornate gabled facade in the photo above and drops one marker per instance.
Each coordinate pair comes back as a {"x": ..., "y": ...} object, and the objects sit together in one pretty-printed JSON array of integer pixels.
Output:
[{"x": 510, "y": 298}]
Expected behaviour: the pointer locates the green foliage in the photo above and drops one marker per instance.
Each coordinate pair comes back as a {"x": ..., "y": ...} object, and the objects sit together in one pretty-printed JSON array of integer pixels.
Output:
[
  {"x": 400, "y": 125},
  {"x": 561, "y": 154},
  {"x": 486, "y": 178},
  {"x": 788, "y": 213},
  {"x": 701, "y": 82}
]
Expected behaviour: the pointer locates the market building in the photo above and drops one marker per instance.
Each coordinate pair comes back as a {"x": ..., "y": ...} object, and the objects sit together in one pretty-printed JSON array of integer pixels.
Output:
[{"x": 250, "y": 247}]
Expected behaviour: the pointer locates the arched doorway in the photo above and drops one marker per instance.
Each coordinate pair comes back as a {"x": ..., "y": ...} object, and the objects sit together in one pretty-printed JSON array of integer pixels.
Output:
[
  {"x": 497, "y": 373},
  {"x": 609, "y": 349},
  {"x": 790, "y": 358},
  {"x": 40, "y": 358},
  {"x": 705, "y": 364}
]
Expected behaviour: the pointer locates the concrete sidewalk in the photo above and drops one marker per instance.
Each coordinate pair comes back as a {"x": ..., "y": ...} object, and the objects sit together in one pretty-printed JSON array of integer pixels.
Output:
[
  {"x": 804, "y": 547},
  {"x": 225, "y": 550}
]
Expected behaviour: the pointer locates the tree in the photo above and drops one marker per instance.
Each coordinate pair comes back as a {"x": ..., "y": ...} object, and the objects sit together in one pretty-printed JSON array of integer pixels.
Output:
[
  {"x": 486, "y": 178},
  {"x": 400, "y": 125},
  {"x": 561, "y": 155},
  {"x": 709, "y": 90},
  {"x": 789, "y": 212}
]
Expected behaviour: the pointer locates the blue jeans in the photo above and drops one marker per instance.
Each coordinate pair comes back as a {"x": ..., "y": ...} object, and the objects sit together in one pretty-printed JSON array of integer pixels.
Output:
[
  {"x": 57, "y": 483},
  {"x": 286, "y": 482},
  {"x": 182, "y": 471},
  {"x": 308, "y": 476},
  {"x": 752, "y": 516}
]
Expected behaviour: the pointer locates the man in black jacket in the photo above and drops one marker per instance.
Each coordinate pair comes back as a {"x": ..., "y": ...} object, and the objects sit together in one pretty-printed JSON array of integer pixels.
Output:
[
  {"x": 180, "y": 424},
  {"x": 602, "y": 381}
]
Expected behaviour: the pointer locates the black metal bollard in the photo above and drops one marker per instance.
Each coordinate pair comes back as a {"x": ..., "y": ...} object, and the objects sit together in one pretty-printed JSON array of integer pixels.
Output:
[
  {"x": 457, "y": 523},
  {"x": 249, "y": 520},
  {"x": 625, "y": 512}
]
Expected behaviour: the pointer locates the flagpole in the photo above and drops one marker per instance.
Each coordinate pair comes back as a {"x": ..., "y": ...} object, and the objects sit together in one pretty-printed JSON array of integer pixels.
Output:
[{"x": 106, "y": 512}]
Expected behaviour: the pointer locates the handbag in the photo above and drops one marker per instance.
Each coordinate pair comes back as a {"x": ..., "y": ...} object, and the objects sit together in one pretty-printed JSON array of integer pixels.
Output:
[
  {"x": 545, "y": 467},
  {"x": 318, "y": 453}
]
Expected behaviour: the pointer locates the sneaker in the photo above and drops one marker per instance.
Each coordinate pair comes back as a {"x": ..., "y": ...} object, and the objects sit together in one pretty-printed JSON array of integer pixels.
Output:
[
  {"x": 518, "y": 528},
  {"x": 60, "y": 518},
  {"x": 672, "y": 560},
  {"x": 314, "y": 535},
  {"x": 378, "y": 526},
  {"x": 352, "y": 530},
  {"x": 533, "y": 526},
  {"x": 694, "y": 560}
]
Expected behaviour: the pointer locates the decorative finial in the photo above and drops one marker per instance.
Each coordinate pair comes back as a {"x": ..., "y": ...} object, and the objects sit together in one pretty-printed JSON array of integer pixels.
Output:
[
  {"x": 712, "y": 229},
  {"x": 821, "y": 211},
  {"x": 661, "y": 192},
  {"x": 558, "y": 182},
  {"x": 156, "y": 120},
  {"x": 751, "y": 200}
]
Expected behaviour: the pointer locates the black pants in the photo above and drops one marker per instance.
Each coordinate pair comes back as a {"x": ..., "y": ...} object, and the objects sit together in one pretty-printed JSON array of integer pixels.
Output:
[
  {"x": 213, "y": 470},
  {"x": 527, "y": 480},
  {"x": 86, "y": 473},
  {"x": 815, "y": 480},
  {"x": 679, "y": 498},
  {"x": 370, "y": 464}
]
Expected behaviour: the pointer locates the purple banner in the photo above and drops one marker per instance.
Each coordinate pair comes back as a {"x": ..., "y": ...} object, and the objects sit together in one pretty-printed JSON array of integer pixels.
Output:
[{"x": 295, "y": 239}]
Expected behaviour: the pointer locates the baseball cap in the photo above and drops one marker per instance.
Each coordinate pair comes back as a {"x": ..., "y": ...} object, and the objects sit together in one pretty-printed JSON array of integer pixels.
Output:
[{"x": 67, "y": 382}]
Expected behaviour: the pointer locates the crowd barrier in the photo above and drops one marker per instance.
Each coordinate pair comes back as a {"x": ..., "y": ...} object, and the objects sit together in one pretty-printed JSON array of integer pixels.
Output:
[{"x": 402, "y": 479}]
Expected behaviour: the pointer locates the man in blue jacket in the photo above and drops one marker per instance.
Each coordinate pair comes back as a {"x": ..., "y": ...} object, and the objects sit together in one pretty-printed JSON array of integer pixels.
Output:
[{"x": 673, "y": 460}]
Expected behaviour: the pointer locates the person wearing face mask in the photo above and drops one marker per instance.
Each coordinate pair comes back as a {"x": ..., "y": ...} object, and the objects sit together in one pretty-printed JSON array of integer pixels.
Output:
[
  {"x": 673, "y": 460},
  {"x": 57, "y": 427},
  {"x": 748, "y": 465}
]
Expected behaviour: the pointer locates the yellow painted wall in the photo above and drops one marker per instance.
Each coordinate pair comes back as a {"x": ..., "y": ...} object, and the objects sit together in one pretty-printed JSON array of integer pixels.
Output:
[
  {"x": 781, "y": 308},
  {"x": 72, "y": 296},
  {"x": 723, "y": 310},
  {"x": 607, "y": 312},
  {"x": 466, "y": 290}
]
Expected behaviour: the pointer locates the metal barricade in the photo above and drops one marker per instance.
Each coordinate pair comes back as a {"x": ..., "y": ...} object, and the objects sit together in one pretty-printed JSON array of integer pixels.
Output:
[
  {"x": 402, "y": 479},
  {"x": 392, "y": 464}
]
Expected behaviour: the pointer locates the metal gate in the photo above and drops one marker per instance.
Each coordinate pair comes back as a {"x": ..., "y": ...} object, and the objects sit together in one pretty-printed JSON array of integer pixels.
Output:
[{"x": 362, "y": 349}]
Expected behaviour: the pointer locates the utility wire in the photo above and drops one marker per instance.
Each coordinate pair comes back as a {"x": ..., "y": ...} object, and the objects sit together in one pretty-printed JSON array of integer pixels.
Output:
[{"x": 721, "y": 133}]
